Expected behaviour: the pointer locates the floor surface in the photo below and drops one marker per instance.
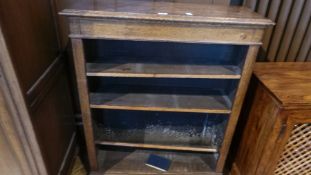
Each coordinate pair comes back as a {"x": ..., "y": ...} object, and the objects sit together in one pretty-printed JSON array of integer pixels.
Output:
[{"x": 78, "y": 168}]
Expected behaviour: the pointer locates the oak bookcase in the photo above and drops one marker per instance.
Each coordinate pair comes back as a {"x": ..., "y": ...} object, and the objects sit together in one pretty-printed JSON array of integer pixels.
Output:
[{"x": 162, "y": 77}]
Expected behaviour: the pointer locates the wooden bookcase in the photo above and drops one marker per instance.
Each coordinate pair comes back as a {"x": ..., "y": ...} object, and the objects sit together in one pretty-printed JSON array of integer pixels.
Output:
[{"x": 161, "y": 77}]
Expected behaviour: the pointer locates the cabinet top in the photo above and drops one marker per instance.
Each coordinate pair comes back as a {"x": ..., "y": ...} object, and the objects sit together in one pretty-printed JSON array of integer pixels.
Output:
[
  {"x": 290, "y": 83},
  {"x": 164, "y": 10}
]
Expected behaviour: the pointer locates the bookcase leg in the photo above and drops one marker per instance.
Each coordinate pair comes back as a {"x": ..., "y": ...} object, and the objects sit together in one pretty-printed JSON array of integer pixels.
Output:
[
  {"x": 238, "y": 100},
  {"x": 79, "y": 62}
]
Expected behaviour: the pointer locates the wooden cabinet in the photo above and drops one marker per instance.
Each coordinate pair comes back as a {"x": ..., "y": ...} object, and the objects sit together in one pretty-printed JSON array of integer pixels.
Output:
[
  {"x": 276, "y": 139},
  {"x": 161, "y": 77}
]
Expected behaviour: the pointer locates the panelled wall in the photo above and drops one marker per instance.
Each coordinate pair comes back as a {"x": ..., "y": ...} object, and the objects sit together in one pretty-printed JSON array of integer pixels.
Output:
[
  {"x": 290, "y": 39},
  {"x": 34, "y": 69}
]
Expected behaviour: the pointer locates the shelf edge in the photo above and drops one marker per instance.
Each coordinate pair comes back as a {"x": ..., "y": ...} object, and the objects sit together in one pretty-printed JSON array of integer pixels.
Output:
[{"x": 210, "y": 149}]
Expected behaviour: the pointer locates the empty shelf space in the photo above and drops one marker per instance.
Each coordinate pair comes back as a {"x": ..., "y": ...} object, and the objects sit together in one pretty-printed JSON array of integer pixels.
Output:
[
  {"x": 133, "y": 162},
  {"x": 163, "y": 70},
  {"x": 158, "y": 146},
  {"x": 213, "y": 103},
  {"x": 159, "y": 130}
]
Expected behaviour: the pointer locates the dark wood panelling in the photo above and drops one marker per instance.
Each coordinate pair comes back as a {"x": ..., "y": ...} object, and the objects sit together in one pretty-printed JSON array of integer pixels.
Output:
[
  {"x": 70, "y": 156},
  {"x": 54, "y": 119},
  {"x": 45, "y": 82},
  {"x": 29, "y": 31},
  {"x": 61, "y": 23},
  {"x": 35, "y": 71},
  {"x": 290, "y": 39}
]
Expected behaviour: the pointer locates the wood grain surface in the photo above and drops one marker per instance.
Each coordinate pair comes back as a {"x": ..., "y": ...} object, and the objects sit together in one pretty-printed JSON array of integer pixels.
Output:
[
  {"x": 166, "y": 21},
  {"x": 79, "y": 62},
  {"x": 160, "y": 102},
  {"x": 163, "y": 71},
  {"x": 164, "y": 11},
  {"x": 237, "y": 105},
  {"x": 280, "y": 106},
  {"x": 263, "y": 115},
  {"x": 158, "y": 146},
  {"x": 30, "y": 34},
  {"x": 289, "y": 82},
  {"x": 151, "y": 30}
]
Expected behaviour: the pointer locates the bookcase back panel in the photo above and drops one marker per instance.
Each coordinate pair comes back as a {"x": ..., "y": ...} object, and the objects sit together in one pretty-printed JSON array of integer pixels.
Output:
[
  {"x": 125, "y": 51},
  {"x": 167, "y": 128},
  {"x": 162, "y": 85}
]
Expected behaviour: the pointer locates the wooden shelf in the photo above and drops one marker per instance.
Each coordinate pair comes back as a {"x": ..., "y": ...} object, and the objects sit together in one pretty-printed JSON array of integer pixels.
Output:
[
  {"x": 157, "y": 146},
  {"x": 163, "y": 71},
  {"x": 133, "y": 162},
  {"x": 213, "y": 103}
]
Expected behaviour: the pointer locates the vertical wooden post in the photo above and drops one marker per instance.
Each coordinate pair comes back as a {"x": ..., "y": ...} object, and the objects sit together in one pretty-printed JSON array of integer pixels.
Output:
[
  {"x": 237, "y": 105},
  {"x": 79, "y": 62}
]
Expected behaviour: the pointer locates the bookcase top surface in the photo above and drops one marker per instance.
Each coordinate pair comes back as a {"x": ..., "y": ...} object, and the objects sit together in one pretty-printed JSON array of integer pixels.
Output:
[
  {"x": 164, "y": 10},
  {"x": 289, "y": 82}
]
